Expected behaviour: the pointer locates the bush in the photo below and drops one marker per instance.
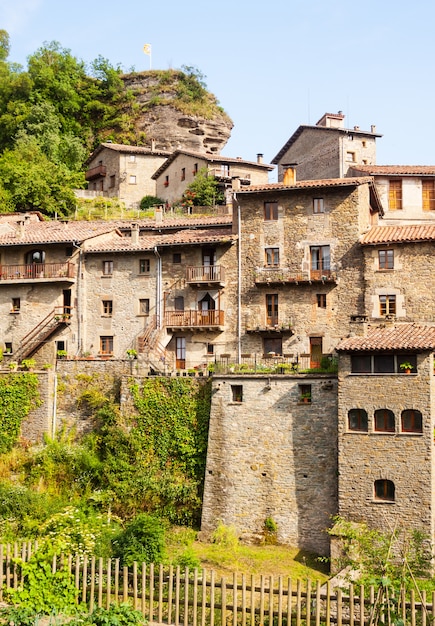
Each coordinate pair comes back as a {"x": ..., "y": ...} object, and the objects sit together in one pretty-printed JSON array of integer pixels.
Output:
[
  {"x": 149, "y": 201},
  {"x": 143, "y": 540},
  {"x": 116, "y": 615}
]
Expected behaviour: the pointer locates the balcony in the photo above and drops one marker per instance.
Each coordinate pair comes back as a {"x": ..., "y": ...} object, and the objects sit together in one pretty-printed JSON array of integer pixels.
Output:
[
  {"x": 96, "y": 172},
  {"x": 40, "y": 272},
  {"x": 194, "y": 320},
  {"x": 286, "y": 275},
  {"x": 205, "y": 275}
]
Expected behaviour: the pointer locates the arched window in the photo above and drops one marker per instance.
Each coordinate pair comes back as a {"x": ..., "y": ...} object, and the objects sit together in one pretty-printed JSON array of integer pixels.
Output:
[
  {"x": 384, "y": 421},
  {"x": 35, "y": 256},
  {"x": 385, "y": 490},
  {"x": 357, "y": 420},
  {"x": 412, "y": 421}
]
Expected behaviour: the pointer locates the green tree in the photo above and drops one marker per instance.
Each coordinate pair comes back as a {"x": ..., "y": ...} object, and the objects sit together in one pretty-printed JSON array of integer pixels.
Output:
[{"x": 203, "y": 191}]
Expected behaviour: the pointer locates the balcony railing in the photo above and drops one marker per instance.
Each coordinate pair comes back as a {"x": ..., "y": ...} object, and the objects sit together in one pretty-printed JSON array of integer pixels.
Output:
[
  {"x": 96, "y": 172},
  {"x": 277, "y": 275},
  {"x": 35, "y": 271},
  {"x": 205, "y": 274},
  {"x": 191, "y": 318}
]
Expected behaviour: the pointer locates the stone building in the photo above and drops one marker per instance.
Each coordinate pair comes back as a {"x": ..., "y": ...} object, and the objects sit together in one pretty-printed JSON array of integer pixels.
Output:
[
  {"x": 125, "y": 172},
  {"x": 180, "y": 169},
  {"x": 327, "y": 149}
]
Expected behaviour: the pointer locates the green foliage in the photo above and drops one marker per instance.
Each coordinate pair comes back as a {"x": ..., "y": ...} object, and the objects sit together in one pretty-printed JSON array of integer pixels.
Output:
[
  {"x": 149, "y": 201},
  {"x": 225, "y": 536},
  {"x": 270, "y": 531},
  {"x": 41, "y": 590},
  {"x": 143, "y": 540},
  {"x": 17, "y": 616},
  {"x": 18, "y": 395},
  {"x": 116, "y": 615},
  {"x": 203, "y": 191}
]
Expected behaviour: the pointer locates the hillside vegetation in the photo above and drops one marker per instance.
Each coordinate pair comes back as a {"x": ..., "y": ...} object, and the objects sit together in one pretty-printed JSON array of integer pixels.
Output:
[{"x": 57, "y": 110}]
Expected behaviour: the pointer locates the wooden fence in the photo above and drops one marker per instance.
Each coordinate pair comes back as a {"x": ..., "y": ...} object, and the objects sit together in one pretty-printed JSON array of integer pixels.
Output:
[{"x": 167, "y": 595}]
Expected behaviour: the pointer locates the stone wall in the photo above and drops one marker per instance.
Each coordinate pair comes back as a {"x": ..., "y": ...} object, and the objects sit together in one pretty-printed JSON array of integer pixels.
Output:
[
  {"x": 406, "y": 459},
  {"x": 272, "y": 456}
]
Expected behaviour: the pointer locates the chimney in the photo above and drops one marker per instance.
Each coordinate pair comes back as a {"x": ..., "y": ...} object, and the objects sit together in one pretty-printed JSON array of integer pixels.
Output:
[
  {"x": 259, "y": 158},
  {"x": 289, "y": 175},
  {"x": 158, "y": 213},
  {"x": 153, "y": 145},
  {"x": 20, "y": 229},
  {"x": 235, "y": 184},
  {"x": 135, "y": 233},
  {"x": 373, "y": 128}
]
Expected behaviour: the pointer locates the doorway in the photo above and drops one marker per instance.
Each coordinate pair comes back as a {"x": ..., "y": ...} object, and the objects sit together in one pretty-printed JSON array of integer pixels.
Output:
[
  {"x": 316, "y": 351},
  {"x": 180, "y": 353}
]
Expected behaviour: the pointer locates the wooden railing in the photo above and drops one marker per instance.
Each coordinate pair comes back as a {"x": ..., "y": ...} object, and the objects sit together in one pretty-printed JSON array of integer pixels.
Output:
[
  {"x": 168, "y": 595},
  {"x": 95, "y": 172},
  {"x": 274, "y": 275},
  {"x": 205, "y": 274},
  {"x": 194, "y": 318},
  {"x": 34, "y": 271}
]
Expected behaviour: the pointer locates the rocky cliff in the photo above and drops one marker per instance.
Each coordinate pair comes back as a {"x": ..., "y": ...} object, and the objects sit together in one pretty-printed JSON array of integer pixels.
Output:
[{"x": 174, "y": 109}]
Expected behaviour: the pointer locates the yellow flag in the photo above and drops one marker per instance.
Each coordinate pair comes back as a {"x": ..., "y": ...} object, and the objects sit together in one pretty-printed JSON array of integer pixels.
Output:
[{"x": 147, "y": 48}]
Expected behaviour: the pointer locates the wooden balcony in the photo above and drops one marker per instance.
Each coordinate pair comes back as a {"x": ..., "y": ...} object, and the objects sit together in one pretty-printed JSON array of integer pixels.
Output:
[
  {"x": 285, "y": 275},
  {"x": 40, "y": 272},
  {"x": 205, "y": 275},
  {"x": 96, "y": 172},
  {"x": 194, "y": 320}
]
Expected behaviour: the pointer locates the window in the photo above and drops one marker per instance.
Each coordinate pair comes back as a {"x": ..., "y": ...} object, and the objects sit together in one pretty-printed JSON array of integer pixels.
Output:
[
  {"x": 144, "y": 306},
  {"x": 107, "y": 307},
  {"x": 358, "y": 420},
  {"x": 395, "y": 195},
  {"x": 384, "y": 490},
  {"x": 412, "y": 421},
  {"x": 318, "y": 205},
  {"x": 270, "y": 211},
  {"x": 271, "y": 257},
  {"x": 364, "y": 144},
  {"x": 381, "y": 363},
  {"x": 237, "y": 393},
  {"x": 225, "y": 169},
  {"x": 428, "y": 190},
  {"x": 384, "y": 421},
  {"x": 350, "y": 157},
  {"x": 132, "y": 158},
  {"x": 272, "y": 309},
  {"x": 386, "y": 259},
  {"x": 320, "y": 261},
  {"x": 210, "y": 348},
  {"x": 112, "y": 181},
  {"x": 35, "y": 256},
  {"x": 16, "y": 304},
  {"x": 179, "y": 303},
  {"x": 166, "y": 183},
  {"x": 107, "y": 268},
  {"x": 321, "y": 300},
  {"x": 132, "y": 179},
  {"x": 305, "y": 393},
  {"x": 195, "y": 169},
  {"x": 183, "y": 173},
  {"x": 69, "y": 251},
  {"x": 106, "y": 345},
  {"x": 144, "y": 266},
  {"x": 272, "y": 345},
  {"x": 387, "y": 305},
  {"x": 176, "y": 257},
  {"x": 180, "y": 352},
  {"x": 8, "y": 347}
]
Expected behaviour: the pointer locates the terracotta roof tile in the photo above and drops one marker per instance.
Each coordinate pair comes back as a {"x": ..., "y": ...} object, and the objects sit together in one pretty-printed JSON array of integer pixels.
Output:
[
  {"x": 54, "y": 232},
  {"x": 398, "y": 337},
  {"x": 399, "y": 234},
  {"x": 308, "y": 184},
  {"x": 396, "y": 170}
]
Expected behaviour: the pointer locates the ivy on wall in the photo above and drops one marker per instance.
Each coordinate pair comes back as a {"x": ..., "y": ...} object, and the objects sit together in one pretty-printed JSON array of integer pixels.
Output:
[{"x": 18, "y": 396}]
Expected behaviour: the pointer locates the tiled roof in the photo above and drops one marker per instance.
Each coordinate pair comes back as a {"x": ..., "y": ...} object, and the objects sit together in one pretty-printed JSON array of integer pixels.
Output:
[
  {"x": 399, "y": 234},
  {"x": 395, "y": 170},
  {"x": 169, "y": 223},
  {"x": 118, "y": 243},
  {"x": 398, "y": 337},
  {"x": 125, "y": 149},
  {"x": 210, "y": 158},
  {"x": 54, "y": 232},
  {"x": 308, "y": 184}
]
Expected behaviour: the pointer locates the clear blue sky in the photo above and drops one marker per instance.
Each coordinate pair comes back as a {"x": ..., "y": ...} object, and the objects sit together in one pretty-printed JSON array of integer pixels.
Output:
[{"x": 272, "y": 65}]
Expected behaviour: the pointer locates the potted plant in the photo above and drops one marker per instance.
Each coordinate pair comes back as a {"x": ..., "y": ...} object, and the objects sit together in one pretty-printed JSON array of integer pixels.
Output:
[
  {"x": 62, "y": 354},
  {"x": 407, "y": 367},
  {"x": 13, "y": 366},
  {"x": 131, "y": 354},
  {"x": 306, "y": 397},
  {"x": 28, "y": 364}
]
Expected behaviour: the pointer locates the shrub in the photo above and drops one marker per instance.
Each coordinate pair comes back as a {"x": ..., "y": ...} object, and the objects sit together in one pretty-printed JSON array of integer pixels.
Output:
[
  {"x": 143, "y": 540},
  {"x": 149, "y": 201},
  {"x": 225, "y": 536},
  {"x": 116, "y": 615}
]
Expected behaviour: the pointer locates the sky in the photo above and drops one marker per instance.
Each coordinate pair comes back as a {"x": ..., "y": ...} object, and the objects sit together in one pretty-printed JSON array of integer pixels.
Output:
[{"x": 272, "y": 65}]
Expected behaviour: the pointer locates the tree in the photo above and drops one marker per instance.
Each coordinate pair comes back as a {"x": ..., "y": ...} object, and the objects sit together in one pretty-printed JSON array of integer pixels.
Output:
[{"x": 203, "y": 191}]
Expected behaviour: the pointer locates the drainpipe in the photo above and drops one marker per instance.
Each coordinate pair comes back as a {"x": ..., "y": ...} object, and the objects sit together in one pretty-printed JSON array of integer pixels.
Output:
[
  {"x": 158, "y": 287},
  {"x": 239, "y": 280},
  {"x": 78, "y": 308}
]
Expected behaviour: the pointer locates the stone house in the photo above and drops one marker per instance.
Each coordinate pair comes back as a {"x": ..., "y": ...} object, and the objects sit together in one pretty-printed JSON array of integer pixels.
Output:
[
  {"x": 180, "y": 169},
  {"x": 125, "y": 172},
  {"x": 327, "y": 149}
]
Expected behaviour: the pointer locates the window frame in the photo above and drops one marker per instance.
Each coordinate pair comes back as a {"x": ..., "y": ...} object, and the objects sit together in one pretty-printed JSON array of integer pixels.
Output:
[
  {"x": 237, "y": 394},
  {"x": 15, "y": 305},
  {"x": 384, "y": 490},
  {"x": 361, "y": 420},
  {"x": 132, "y": 179},
  {"x": 387, "y": 304},
  {"x": 384, "y": 421},
  {"x": 416, "y": 419},
  {"x": 144, "y": 266},
  {"x": 321, "y": 300},
  {"x": 107, "y": 306},
  {"x": 271, "y": 257},
  {"x": 144, "y": 307},
  {"x": 386, "y": 259},
  {"x": 107, "y": 269},
  {"x": 365, "y": 363},
  {"x": 395, "y": 195},
  {"x": 270, "y": 211},
  {"x": 272, "y": 309},
  {"x": 318, "y": 205},
  {"x": 106, "y": 344},
  {"x": 428, "y": 194}
]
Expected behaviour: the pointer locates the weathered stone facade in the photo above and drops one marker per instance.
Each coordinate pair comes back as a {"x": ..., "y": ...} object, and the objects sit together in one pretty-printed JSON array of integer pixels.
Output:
[{"x": 273, "y": 456}]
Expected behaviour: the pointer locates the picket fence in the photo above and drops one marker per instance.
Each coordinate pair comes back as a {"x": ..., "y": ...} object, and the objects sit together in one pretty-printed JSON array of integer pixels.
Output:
[{"x": 168, "y": 595}]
